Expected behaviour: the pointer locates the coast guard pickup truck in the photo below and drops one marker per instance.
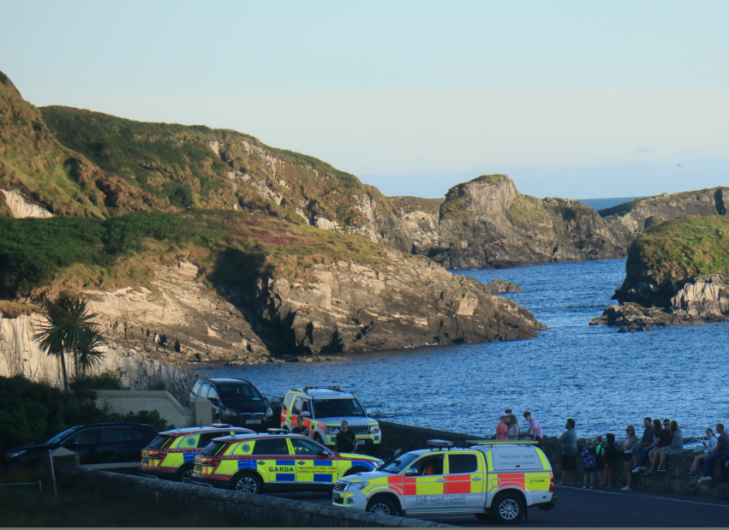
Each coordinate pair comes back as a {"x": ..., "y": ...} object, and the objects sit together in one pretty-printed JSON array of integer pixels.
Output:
[
  {"x": 323, "y": 409},
  {"x": 501, "y": 479}
]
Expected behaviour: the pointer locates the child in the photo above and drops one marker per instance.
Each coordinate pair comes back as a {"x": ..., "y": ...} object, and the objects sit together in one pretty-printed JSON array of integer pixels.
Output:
[
  {"x": 610, "y": 455},
  {"x": 588, "y": 461},
  {"x": 599, "y": 461}
]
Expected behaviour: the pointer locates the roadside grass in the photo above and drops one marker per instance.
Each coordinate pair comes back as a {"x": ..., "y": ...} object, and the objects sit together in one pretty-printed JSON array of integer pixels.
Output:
[{"x": 681, "y": 249}]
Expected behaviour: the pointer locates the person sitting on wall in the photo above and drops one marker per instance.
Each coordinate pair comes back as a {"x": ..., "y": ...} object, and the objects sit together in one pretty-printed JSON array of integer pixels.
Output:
[
  {"x": 708, "y": 448},
  {"x": 720, "y": 451}
]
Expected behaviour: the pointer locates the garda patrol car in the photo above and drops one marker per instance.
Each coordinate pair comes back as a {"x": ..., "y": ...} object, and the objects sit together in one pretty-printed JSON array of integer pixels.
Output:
[
  {"x": 171, "y": 454},
  {"x": 497, "y": 478},
  {"x": 252, "y": 463},
  {"x": 323, "y": 409}
]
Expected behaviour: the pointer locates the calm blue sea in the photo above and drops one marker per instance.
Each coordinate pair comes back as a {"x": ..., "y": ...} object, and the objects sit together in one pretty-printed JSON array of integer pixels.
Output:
[{"x": 604, "y": 379}]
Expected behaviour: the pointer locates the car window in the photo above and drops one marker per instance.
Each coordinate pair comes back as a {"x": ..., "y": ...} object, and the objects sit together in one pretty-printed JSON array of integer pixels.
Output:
[
  {"x": 204, "y": 390},
  {"x": 160, "y": 442},
  {"x": 271, "y": 446},
  {"x": 85, "y": 437},
  {"x": 207, "y": 437},
  {"x": 462, "y": 463},
  {"x": 287, "y": 401},
  {"x": 429, "y": 465},
  {"x": 296, "y": 409},
  {"x": 239, "y": 392},
  {"x": 196, "y": 388},
  {"x": 214, "y": 448},
  {"x": 212, "y": 393},
  {"x": 331, "y": 408},
  {"x": 137, "y": 434},
  {"x": 116, "y": 434},
  {"x": 306, "y": 447},
  {"x": 400, "y": 463},
  {"x": 63, "y": 435}
]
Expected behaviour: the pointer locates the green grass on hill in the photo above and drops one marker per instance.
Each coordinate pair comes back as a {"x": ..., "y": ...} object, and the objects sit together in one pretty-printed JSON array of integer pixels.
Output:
[
  {"x": 233, "y": 248},
  {"x": 684, "y": 248}
]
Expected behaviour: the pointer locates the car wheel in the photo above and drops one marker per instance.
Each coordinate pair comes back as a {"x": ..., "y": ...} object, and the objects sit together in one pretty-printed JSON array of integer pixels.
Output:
[
  {"x": 508, "y": 508},
  {"x": 383, "y": 506},
  {"x": 247, "y": 483},
  {"x": 184, "y": 474}
]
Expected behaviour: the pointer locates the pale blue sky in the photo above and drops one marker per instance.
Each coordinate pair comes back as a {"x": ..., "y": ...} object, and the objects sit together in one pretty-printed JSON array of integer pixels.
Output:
[{"x": 574, "y": 99}]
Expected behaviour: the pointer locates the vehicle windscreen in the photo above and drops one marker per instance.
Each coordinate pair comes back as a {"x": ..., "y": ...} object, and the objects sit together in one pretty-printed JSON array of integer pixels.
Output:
[
  {"x": 331, "y": 408},
  {"x": 213, "y": 448},
  {"x": 62, "y": 436},
  {"x": 160, "y": 441},
  {"x": 230, "y": 392},
  {"x": 400, "y": 463}
]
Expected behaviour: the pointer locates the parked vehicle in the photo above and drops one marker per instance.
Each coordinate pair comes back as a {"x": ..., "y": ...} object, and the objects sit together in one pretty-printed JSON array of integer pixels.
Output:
[
  {"x": 171, "y": 454},
  {"x": 501, "y": 479},
  {"x": 236, "y": 401},
  {"x": 254, "y": 463},
  {"x": 323, "y": 409},
  {"x": 97, "y": 443}
]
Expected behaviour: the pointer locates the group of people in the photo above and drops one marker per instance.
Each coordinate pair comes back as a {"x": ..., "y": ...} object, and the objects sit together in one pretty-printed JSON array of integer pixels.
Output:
[
  {"x": 508, "y": 427},
  {"x": 649, "y": 454}
]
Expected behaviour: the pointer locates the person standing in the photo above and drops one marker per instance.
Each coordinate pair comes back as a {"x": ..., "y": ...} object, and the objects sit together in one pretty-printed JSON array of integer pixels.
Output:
[
  {"x": 345, "y": 441},
  {"x": 535, "y": 429},
  {"x": 630, "y": 445},
  {"x": 300, "y": 429},
  {"x": 599, "y": 460},
  {"x": 568, "y": 447},
  {"x": 588, "y": 462},
  {"x": 502, "y": 429},
  {"x": 720, "y": 451},
  {"x": 513, "y": 428},
  {"x": 645, "y": 441},
  {"x": 610, "y": 455},
  {"x": 708, "y": 448}
]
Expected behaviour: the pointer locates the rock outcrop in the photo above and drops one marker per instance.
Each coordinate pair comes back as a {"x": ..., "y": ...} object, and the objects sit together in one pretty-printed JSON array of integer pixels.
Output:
[
  {"x": 487, "y": 223},
  {"x": 502, "y": 286},
  {"x": 405, "y": 303}
]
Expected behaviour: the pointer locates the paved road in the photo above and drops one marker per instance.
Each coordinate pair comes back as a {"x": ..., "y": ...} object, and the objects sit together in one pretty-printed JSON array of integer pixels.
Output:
[{"x": 596, "y": 508}]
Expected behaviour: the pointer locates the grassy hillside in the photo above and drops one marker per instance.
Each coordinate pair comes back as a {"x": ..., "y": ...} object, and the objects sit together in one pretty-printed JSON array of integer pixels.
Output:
[
  {"x": 233, "y": 248},
  {"x": 412, "y": 204},
  {"x": 683, "y": 248},
  {"x": 196, "y": 166},
  {"x": 32, "y": 161}
]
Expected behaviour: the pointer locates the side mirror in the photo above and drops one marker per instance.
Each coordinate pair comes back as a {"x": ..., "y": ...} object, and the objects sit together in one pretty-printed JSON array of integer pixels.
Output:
[
  {"x": 412, "y": 472},
  {"x": 305, "y": 414}
]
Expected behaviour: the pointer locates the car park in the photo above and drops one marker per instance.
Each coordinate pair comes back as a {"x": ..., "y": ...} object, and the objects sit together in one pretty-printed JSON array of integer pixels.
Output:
[
  {"x": 500, "y": 479},
  {"x": 171, "y": 454},
  {"x": 97, "y": 443},
  {"x": 276, "y": 461},
  {"x": 235, "y": 401},
  {"x": 323, "y": 409}
]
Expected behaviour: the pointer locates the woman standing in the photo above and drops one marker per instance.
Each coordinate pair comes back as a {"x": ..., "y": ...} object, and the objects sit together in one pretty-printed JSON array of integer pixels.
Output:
[
  {"x": 630, "y": 443},
  {"x": 568, "y": 442},
  {"x": 513, "y": 427}
]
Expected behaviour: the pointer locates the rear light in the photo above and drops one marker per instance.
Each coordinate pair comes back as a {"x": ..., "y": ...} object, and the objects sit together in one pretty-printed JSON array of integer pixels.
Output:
[
  {"x": 154, "y": 454},
  {"x": 551, "y": 483}
]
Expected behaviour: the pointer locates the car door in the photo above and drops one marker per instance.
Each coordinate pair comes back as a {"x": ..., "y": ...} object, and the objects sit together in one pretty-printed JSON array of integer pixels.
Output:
[
  {"x": 85, "y": 443},
  {"x": 315, "y": 465},
  {"x": 118, "y": 445},
  {"x": 424, "y": 484},
  {"x": 465, "y": 484},
  {"x": 274, "y": 461}
]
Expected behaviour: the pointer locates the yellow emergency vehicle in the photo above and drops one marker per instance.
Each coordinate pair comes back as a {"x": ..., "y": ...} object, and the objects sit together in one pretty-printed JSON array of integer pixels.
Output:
[
  {"x": 278, "y": 461},
  {"x": 501, "y": 479},
  {"x": 323, "y": 409},
  {"x": 171, "y": 454}
]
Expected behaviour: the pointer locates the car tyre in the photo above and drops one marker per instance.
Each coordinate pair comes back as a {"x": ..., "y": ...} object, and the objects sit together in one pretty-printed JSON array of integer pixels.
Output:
[
  {"x": 383, "y": 506},
  {"x": 508, "y": 508},
  {"x": 247, "y": 483},
  {"x": 184, "y": 474}
]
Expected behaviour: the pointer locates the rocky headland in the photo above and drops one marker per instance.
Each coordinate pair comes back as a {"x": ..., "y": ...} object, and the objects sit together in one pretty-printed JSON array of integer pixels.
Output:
[{"x": 676, "y": 273}]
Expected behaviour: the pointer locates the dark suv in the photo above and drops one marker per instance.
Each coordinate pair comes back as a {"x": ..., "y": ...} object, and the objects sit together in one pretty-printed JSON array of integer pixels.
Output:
[
  {"x": 97, "y": 443},
  {"x": 236, "y": 401}
]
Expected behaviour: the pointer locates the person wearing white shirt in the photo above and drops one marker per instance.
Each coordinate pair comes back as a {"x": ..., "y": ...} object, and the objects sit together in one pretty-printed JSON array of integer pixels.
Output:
[{"x": 708, "y": 448}]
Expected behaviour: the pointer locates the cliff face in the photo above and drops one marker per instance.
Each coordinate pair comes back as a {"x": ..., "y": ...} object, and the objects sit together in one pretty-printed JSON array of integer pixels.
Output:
[
  {"x": 628, "y": 221},
  {"x": 487, "y": 223}
]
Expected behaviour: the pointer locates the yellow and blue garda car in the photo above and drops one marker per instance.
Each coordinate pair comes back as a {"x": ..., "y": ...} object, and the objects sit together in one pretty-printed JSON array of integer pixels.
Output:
[
  {"x": 501, "y": 479},
  {"x": 277, "y": 461},
  {"x": 171, "y": 454}
]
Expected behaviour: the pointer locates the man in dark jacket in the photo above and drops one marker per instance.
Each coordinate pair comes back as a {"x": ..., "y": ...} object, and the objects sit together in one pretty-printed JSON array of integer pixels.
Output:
[{"x": 345, "y": 440}]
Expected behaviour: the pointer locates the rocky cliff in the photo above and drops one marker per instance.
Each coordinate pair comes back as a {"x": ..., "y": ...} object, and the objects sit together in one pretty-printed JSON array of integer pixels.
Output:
[
  {"x": 487, "y": 223},
  {"x": 676, "y": 273}
]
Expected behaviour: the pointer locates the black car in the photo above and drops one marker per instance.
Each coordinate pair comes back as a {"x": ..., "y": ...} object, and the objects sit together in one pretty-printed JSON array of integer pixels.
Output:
[
  {"x": 97, "y": 443},
  {"x": 236, "y": 401}
]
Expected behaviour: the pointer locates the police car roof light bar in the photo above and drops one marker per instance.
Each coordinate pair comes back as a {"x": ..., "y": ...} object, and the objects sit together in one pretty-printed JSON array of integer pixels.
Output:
[
  {"x": 225, "y": 425},
  {"x": 502, "y": 442},
  {"x": 440, "y": 444},
  {"x": 276, "y": 431},
  {"x": 336, "y": 388}
]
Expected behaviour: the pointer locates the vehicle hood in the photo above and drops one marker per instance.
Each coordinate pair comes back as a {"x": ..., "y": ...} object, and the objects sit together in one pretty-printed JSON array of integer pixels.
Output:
[
  {"x": 33, "y": 448},
  {"x": 336, "y": 421},
  {"x": 361, "y": 477}
]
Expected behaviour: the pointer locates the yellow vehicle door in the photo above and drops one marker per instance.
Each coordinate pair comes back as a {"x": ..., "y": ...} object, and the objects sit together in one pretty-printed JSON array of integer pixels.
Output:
[
  {"x": 424, "y": 484},
  {"x": 465, "y": 480},
  {"x": 313, "y": 465},
  {"x": 274, "y": 461}
]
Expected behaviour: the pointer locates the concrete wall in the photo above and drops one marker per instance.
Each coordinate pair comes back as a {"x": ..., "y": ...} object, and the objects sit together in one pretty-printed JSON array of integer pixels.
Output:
[
  {"x": 253, "y": 509},
  {"x": 407, "y": 438},
  {"x": 125, "y": 401}
]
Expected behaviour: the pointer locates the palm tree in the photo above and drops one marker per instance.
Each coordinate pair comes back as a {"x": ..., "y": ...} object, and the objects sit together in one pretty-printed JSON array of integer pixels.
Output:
[
  {"x": 69, "y": 328},
  {"x": 89, "y": 352}
]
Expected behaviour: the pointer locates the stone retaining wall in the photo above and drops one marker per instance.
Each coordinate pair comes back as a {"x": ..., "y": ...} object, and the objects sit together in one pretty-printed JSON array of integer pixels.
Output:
[
  {"x": 253, "y": 509},
  {"x": 408, "y": 438}
]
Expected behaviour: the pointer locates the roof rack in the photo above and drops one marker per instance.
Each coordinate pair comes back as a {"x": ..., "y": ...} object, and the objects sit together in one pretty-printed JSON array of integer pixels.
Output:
[
  {"x": 336, "y": 388},
  {"x": 502, "y": 442},
  {"x": 439, "y": 444}
]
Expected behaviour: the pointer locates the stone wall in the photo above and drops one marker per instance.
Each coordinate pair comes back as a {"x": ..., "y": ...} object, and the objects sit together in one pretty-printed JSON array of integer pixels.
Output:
[
  {"x": 253, "y": 509},
  {"x": 125, "y": 401}
]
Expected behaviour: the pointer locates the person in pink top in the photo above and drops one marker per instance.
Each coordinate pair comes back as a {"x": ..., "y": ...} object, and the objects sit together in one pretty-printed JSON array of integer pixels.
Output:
[
  {"x": 535, "y": 429},
  {"x": 502, "y": 429}
]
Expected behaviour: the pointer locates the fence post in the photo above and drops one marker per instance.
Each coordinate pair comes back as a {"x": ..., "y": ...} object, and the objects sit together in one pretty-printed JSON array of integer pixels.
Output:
[{"x": 53, "y": 473}]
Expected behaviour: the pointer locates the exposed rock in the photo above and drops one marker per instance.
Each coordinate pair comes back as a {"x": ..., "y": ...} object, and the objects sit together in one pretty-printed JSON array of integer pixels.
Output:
[
  {"x": 406, "y": 303},
  {"x": 633, "y": 329},
  {"x": 21, "y": 206},
  {"x": 502, "y": 286},
  {"x": 487, "y": 223}
]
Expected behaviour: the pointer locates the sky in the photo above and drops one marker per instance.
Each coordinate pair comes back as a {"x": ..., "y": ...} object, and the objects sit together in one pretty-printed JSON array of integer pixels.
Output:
[{"x": 569, "y": 98}]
